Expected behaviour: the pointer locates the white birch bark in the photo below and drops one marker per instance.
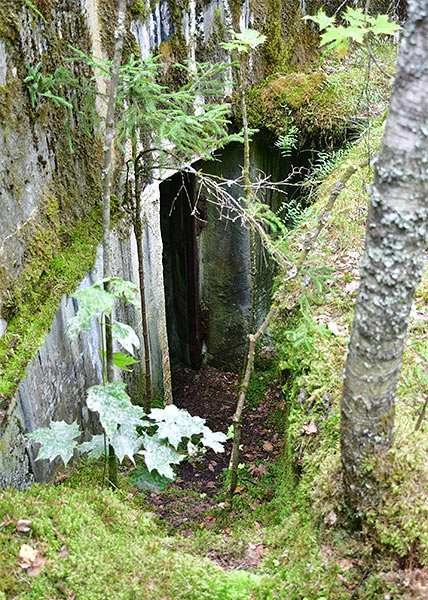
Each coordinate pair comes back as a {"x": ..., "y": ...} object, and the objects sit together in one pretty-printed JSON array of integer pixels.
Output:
[{"x": 390, "y": 270}]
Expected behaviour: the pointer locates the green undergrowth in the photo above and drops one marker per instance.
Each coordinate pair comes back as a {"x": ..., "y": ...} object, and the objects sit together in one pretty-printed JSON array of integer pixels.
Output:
[
  {"x": 312, "y": 339},
  {"x": 39, "y": 293},
  {"x": 99, "y": 545},
  {"x": 325, "y": 104}
]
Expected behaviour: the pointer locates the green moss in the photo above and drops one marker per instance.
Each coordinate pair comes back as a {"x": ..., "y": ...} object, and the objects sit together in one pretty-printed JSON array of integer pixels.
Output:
[
  {"x": 9, "y": 19},
  {"x": 177, "y": 43},
  {"x": 273, "y": 49},
  {"x": 138, "y": 10},
  {"x": 112, "y": 547},
  {"x": 59, "y": 257}
]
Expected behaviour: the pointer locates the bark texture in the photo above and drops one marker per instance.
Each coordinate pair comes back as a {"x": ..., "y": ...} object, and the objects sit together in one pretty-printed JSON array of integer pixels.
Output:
[
  {"x": 390, "y": 270},
  {"x": 107, "y": 177}
]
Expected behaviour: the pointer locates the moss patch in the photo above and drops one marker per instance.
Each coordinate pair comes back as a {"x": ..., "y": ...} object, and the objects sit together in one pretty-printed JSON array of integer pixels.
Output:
[
  {"x": 54, "y": 269},
  {"x": 112, "y": 548},
  {"x": 324, "y": 104}
]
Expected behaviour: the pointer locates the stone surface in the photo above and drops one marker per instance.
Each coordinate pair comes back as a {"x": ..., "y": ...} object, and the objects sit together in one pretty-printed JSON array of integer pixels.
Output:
[{"x": 35, "y": 163}]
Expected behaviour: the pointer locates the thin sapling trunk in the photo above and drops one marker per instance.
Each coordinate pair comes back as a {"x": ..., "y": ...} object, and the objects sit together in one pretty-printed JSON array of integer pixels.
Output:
[
  {"x": 138, "y": 229},
  {"x": 106, "y": 191}
]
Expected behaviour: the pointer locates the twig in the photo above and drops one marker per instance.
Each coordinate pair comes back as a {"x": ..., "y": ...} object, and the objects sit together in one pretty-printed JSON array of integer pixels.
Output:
[
  {"x": 279, "y": 297},
  {"x": 422, "y": 414},
  {"x": 374, "y": 59},
  {"x": 363, "y": 577}
]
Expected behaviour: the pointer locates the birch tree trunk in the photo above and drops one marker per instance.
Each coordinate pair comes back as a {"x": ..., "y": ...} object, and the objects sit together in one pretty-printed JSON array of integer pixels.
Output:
[{"x": 390, "y": 270}]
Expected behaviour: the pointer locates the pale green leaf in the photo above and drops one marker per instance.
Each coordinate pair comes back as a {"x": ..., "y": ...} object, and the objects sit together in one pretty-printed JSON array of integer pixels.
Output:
[
  {"x": 175, "y": 424},
  {"x": 356, "y": 33},
  {"x": 244, "y": 41},
  {"x": 57, "y": 440},
  {"x": 121, "y": 360},
  {"x": 160, "y": 456},
  {"x": 250, "y": 37},
  {"x": 127, "y": 289},
  {"x": 214, "y": 439},
  {"x": 126, "y": 442},
  {"x": 94, "y": 447},
  {"x": 381, "y": 25},
  {"x": 321, "y": 19},
  {"x": 114, "y": 407},
  {"x": 125, "y": 335},
  {"x": 355, "y": 16},
  {"x": 95, "y": 301},
  {"x": 336, "y": 35}
]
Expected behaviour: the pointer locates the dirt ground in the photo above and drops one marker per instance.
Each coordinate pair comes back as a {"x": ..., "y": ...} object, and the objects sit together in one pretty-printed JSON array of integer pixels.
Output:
[{"x": 212, "y": 394}]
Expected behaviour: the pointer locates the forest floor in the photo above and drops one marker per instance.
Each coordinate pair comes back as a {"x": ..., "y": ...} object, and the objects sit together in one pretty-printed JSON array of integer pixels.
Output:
[{"x": 212, "y": 395}]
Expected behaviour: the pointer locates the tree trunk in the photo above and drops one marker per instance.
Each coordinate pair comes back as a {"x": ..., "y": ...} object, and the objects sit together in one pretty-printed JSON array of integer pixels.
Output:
[
  {"x": 390, "y": 270},
  {"x": 138, "y": 230},
  {"x": 107, "y": 177}
]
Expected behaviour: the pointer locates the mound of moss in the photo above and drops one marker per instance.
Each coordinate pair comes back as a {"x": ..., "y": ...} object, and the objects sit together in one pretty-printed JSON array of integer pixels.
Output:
[
  {"x": 325, "y": 104},
  {"x": 312, "y": 342},
  {"x": 94, "y": 545}
]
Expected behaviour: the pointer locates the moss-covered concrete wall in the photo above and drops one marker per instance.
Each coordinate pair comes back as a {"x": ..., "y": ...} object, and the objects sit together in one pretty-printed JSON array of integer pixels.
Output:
[
  {"x": 50, "y": 195},
  {"x": 45, "y": 187}
]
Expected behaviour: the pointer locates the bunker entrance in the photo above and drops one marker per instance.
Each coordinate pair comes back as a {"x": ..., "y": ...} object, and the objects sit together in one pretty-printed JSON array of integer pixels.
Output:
[
  {"x": 206, "y": 259},
  {"x": 181, "y": 269}
]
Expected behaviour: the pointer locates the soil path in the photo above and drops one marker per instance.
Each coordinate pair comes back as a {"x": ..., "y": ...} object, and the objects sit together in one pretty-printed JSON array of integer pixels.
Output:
[{"x": 212, "y": 394}]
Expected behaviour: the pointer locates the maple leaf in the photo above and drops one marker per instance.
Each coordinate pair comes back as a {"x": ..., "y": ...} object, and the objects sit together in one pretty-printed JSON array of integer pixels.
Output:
[
  {"x": 125, "y": 335},
  {"x": 174, "y": 424},
  {"x": 114, "y": 406},
  {"x": 160, "y": 456},
  {"x": 322, "y": 20},
  {"x": 213, "y": 439},
  {"x": 56, "y": 440}
]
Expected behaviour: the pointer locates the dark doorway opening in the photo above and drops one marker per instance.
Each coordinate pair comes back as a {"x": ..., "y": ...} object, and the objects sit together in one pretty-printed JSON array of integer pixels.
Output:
[{"x": 180, "y": 230}]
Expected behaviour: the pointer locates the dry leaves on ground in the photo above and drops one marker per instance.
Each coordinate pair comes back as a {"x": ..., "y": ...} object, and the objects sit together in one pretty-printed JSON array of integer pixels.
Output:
[{"x": 31, "y": 560}]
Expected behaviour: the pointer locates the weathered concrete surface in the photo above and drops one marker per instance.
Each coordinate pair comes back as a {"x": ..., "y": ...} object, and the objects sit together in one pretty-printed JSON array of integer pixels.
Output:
[
  {"x": 35, "y": 163},
  {"x": 56, "y": 379}
]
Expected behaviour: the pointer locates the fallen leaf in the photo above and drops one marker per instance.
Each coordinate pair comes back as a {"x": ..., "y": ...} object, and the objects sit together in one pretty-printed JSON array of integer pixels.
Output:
[
  {"x": 31, "y": 560},
  {"x": 255, "y": 553},
  {"x": 345, "y": 582},
  {"x": 345, "y": 564},
  {"x": 331, "y": 518},
  {"x": 63, "y": 552},
  {"x": 267, "y": 446},
  {"x": 27, "y": 555},
  {"x": 337, "y": 329},
  {"x": 326, "y": 550},
  {"x": 61, "y": 587},
  {"x": 258, "y": 470},
  {"x": 334, "y": 328},
  {"x": 352, "y": 287},
  {"x": 239, "y": 489},
  {"x": 23, "y": 525},
  {"x": 309, "y": 428}
]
